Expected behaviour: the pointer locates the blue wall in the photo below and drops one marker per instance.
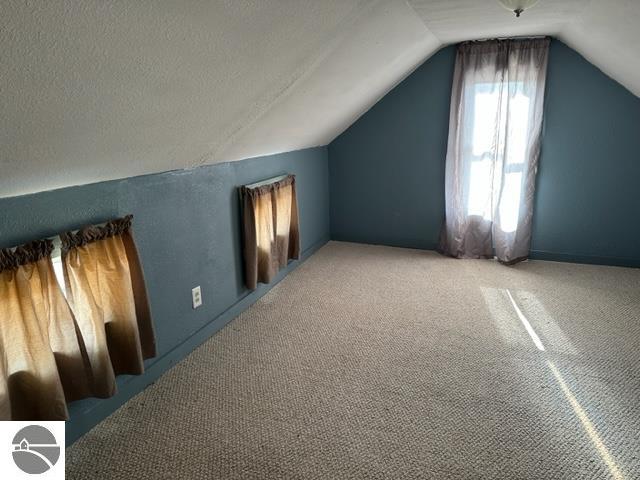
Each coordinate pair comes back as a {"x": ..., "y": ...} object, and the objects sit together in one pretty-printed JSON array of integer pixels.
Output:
[
  {"x": 187, "y": 228},
  {"x": 588, "y": 190},
  {"x": 387, "y": 170}
]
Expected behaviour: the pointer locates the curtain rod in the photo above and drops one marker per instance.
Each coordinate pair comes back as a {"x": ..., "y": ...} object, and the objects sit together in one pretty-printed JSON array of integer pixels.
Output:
[
  {"x": 57, "y": 240},
  {"x": 267, "y": 181},
  {"x": 522, "y": 37}
]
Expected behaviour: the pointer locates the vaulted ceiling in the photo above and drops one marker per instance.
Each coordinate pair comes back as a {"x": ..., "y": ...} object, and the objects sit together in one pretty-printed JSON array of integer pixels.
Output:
[{"x": 95, "y": 90}]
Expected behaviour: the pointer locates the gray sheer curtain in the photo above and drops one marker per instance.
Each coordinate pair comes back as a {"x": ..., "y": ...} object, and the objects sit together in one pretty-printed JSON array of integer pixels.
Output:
[{"x": 494, "y": 143}]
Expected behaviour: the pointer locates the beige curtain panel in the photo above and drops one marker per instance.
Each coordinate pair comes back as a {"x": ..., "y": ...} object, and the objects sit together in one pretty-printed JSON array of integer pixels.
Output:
[
  {"x": 54, "y": 350},
  {"x": 270, "y": 229},
  {"x": 107, "y": 294},
  {"x": 42, "y": 360}
]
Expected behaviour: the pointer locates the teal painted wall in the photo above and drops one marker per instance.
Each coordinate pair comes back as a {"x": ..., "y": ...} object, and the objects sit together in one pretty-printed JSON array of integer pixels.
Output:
[
  {"x": 387, "y": 169},
  {"x": 187, "y": 227},
  {"x": 588, "y": 195}
]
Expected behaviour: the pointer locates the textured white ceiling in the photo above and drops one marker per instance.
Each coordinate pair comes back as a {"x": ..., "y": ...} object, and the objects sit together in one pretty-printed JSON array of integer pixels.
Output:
[{"x": 94, "y": 90}]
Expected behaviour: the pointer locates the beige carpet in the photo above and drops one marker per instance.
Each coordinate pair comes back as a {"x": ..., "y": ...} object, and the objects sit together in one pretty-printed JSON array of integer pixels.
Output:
[{"x": 373, "y": 362}]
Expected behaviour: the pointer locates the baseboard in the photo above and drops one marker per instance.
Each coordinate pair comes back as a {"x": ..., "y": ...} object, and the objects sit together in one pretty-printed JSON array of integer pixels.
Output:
[
  {"x": 412, "y": 244},
  {"x": 533, "y": 255},
  {"x": 588, "y": 259},
  {"x": 130, "y": 386}
]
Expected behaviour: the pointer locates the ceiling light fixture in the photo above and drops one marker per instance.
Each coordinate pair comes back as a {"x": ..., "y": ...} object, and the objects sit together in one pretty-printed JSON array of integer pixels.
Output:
[{"x": 518, "y": 6}]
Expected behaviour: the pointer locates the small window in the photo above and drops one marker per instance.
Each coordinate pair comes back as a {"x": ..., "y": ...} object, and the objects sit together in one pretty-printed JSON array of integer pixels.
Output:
[{"x": 56, "y": 259}]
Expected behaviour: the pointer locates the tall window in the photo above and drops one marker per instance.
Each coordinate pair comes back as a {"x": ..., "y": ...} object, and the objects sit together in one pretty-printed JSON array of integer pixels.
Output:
[
  {"x": 487, "y": 151},
  {"x": 494, "y": 144}
]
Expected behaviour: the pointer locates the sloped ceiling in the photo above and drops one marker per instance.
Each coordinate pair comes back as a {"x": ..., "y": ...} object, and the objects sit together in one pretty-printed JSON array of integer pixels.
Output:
[{"x": 94, "y": 90}]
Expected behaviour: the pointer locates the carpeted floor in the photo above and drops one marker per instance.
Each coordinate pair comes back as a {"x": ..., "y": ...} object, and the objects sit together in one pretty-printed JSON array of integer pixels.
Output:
[{"x": 372, "y": 362}]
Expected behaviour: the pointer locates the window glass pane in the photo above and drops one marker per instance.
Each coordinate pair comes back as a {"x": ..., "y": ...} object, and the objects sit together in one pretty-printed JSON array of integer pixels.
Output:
[
  {"x": 510, "y": 204},
  {"x": 496, "y": 123},
  {"x": 57, "y": 268},
  {"x": 479, "y": 201},
  {"x": 518, "y": 128}
]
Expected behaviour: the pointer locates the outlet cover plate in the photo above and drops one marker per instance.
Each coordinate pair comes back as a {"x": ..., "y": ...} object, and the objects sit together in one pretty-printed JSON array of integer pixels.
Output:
[{"x": 196, "y": 296}]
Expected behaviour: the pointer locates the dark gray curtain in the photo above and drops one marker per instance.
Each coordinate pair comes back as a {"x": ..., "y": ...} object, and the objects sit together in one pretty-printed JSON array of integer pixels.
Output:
[{"x": 494, "y": 144}]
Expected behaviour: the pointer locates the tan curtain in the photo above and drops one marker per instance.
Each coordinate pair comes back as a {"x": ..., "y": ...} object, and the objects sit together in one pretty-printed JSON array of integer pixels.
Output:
[
  {"x": 42, "y": 360},
  {"x": 107, "y": 294},
  {"x": 270, "y": 229}
]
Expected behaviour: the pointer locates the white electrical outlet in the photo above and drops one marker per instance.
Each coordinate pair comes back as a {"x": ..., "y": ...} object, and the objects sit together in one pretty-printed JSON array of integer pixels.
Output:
[{"x": 196, "y": 296}]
